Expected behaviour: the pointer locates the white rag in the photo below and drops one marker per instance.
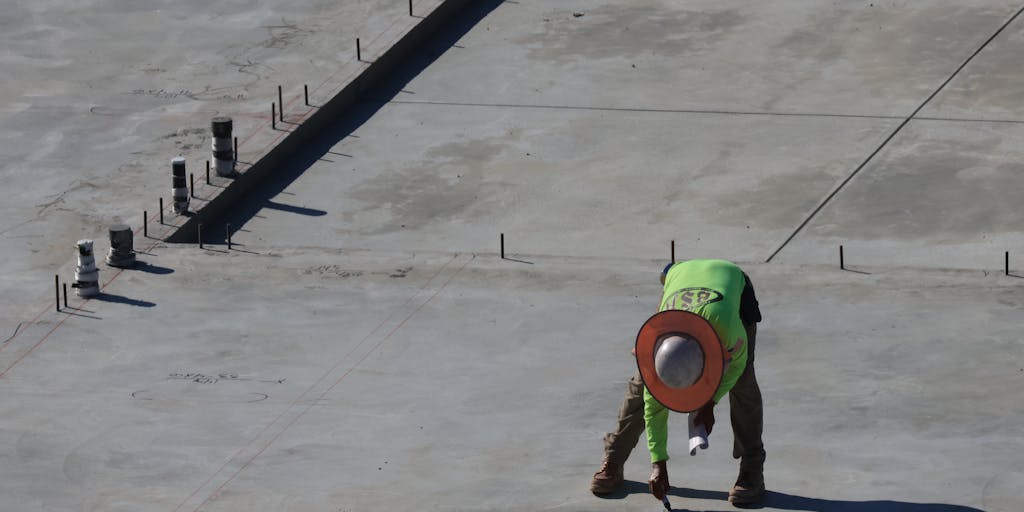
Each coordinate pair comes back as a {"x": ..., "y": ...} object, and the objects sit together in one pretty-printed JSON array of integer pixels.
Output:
[{"x": 698, "y": 434}]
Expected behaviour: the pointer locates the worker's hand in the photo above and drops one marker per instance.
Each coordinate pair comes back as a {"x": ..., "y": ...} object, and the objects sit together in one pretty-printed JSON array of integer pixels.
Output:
[
  {"x": 659, "y": 479},
  {"x": 706, "y": 416}
]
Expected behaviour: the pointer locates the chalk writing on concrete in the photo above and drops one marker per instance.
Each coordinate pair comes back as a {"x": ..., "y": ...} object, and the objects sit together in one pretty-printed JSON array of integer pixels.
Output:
[
  {"x": 201, "y": 378},
  {"x": 164, "y": 94}
]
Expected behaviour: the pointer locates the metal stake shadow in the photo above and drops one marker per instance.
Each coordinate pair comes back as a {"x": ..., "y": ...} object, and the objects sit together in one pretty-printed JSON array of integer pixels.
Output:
[
  {"x": 856, "y": 271},
  {"x": 91, "y": 317},
  {"x": 506, "y": 258}
]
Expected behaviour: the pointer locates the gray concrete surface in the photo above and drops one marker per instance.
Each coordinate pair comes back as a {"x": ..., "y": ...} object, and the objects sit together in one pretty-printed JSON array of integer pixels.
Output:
[{"x": 362, "y": 346}]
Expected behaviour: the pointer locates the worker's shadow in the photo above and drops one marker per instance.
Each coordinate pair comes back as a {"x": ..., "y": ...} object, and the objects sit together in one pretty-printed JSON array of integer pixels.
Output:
[{"x": 783, "y": 501}]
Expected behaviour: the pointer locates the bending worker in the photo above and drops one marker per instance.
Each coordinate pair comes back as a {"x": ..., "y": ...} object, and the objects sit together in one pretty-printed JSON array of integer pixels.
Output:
[{"x": 679, "y": 368}]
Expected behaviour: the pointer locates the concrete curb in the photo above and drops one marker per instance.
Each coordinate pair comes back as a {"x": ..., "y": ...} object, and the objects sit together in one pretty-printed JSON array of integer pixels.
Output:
[{"x": 320, "y": 119}]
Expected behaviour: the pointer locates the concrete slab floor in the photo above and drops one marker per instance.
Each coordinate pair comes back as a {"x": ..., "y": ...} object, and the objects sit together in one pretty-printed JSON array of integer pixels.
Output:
[{"x": 362, "y": 346}]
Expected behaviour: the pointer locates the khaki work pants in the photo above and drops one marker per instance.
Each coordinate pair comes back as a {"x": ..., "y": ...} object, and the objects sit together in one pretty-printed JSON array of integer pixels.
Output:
[{"x": 745, "y": 410}]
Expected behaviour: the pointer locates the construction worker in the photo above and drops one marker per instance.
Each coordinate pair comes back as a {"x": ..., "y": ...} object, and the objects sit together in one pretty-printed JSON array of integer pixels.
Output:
[{"x": 720, "y": 293}]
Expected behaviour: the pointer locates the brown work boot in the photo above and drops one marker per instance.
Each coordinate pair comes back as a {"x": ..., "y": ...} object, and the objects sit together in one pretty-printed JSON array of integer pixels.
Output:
[
  {"x": 749, "y": 488},
  {"x": 608, "y": 479}
]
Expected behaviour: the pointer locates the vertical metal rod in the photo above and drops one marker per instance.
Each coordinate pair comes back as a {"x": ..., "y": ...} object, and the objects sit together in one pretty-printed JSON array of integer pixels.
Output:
[
  {"x": 280, "y": 101},
  {"x": 56, "y": 290},
  {"x": 199, "y": 234},
  {"x": 207, "y": 172},
  {"x": 273, "y": 116},
  {"x": 192, "y": 184},
  {"x": 1007, "y": 262},
  {"x": 673, "y": 251},
  {"x": 65, "y": 287},
  {"x": 145, "y": 223},
  {"x": 305, "y": 92},
  {"x": 227, "y": 234},
  {"x": 235, "y": 155},
  {"x": 503, "y": 246},
  {"x": 842, "y": 265},
  {"x": 410, "y": 7},
  {"x": 359, "y": 51},
  {"x": 161, "y": 211}
]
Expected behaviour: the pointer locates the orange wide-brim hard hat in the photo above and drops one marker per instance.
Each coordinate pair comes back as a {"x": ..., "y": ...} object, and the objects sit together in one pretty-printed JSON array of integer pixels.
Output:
[{"x": 674, "y": 322}]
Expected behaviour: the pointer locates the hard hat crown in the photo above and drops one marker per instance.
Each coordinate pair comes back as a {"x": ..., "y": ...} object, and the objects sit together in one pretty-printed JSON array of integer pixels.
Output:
[{"x": 678, "y": 360}]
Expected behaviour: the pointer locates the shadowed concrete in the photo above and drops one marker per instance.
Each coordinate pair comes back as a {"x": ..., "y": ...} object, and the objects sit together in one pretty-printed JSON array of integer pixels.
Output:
[{"x": 363, "y": 347}]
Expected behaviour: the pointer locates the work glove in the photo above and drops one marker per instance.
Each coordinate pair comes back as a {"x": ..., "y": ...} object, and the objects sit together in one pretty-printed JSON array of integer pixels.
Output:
[
  {"x": 706, "y": 416},
  {"x": 659, "y": 479}
]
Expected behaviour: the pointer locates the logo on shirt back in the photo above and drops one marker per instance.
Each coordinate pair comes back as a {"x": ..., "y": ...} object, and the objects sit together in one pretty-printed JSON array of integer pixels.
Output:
[{"x": 690, "y": 299}]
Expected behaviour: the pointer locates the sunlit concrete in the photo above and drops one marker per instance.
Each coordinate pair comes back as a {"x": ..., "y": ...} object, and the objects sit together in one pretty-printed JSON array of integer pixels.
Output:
[{"x": 362, "y": 345}]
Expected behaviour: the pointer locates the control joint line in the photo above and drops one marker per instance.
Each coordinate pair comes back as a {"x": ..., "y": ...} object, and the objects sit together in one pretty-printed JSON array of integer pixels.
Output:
[
  {"x": 892, "y": 135},
  {"x": 967, "y": 120},
  {"x": 696, "y": 111},
  {"x": 637, "y": 109}
]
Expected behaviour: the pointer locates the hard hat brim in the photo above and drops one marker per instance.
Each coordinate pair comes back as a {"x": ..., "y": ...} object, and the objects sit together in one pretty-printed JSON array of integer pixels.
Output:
[{"x": 678, "y": 322}]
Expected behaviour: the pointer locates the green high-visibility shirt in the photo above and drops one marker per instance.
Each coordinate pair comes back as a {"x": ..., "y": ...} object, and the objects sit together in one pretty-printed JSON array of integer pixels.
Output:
[{"x": 711, "y": 289}]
